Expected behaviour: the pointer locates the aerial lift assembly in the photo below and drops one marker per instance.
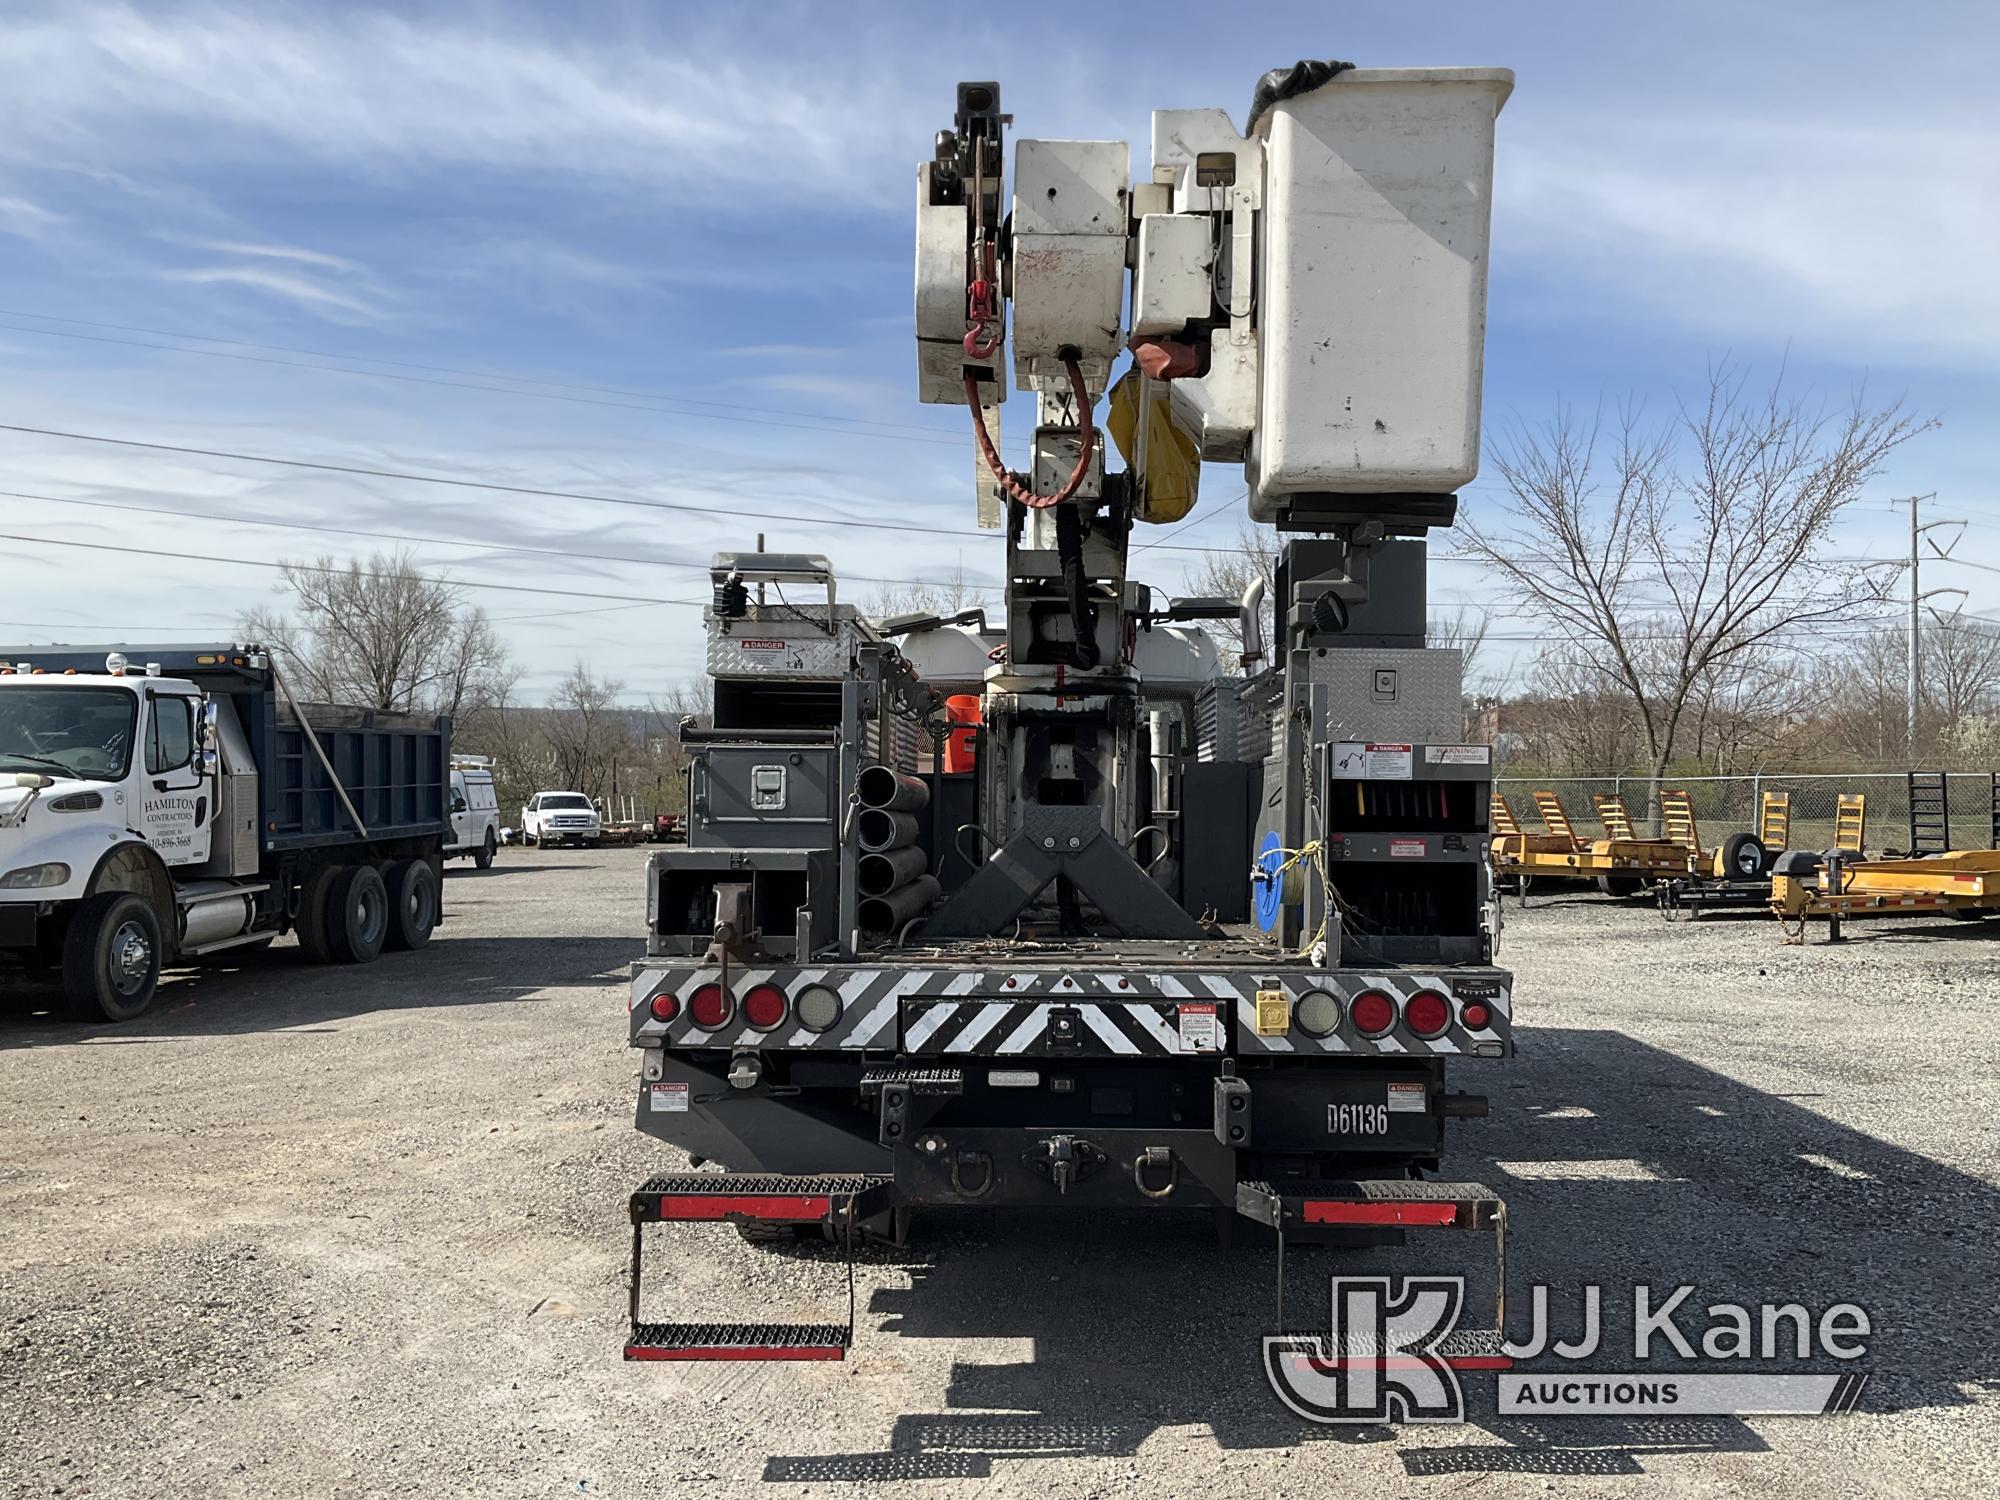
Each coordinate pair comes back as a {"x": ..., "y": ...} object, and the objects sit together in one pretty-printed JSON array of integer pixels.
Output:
[{"x": 1173, "y": 939}]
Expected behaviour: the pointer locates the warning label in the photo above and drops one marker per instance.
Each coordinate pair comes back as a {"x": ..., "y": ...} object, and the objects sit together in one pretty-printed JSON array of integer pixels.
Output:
[
  {"x": 669, "y": 1098},
  {"x": 1201, "y": 1028},
  {"x": 1458, "y": 755},
  {"x": 751, "y": 645},
  {"x": 1356, "y": 761},
  {"x": 1406, "y": 1098},
  {"x": 1406, "y": 848}
]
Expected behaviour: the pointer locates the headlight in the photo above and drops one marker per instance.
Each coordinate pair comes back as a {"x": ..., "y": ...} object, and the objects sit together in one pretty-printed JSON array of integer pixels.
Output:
[{"x": 34, "y": 877}]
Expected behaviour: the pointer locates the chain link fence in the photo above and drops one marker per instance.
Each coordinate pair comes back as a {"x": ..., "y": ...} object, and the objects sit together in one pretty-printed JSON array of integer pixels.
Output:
[{"x": 1729, "y": 804}]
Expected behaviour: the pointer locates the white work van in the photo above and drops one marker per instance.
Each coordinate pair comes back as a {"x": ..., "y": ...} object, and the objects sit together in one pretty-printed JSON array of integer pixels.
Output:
[{"x": 475, "y": 811}]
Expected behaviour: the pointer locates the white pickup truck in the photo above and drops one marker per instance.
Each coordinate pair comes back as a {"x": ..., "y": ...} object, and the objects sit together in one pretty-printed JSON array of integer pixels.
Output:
[{"x": 560, "y": 818}]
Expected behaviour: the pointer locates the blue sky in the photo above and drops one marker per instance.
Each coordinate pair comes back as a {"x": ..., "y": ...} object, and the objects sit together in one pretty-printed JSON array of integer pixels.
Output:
[{"x": 663, "y": 253}]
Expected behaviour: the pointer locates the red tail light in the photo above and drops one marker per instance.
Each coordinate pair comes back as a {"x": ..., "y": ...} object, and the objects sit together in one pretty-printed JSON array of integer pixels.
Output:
[
  {"x": 708, "y": 1006},
  {"x": 1428, "y": 1013},
  {"x": 1475, "y": 1015},
  {"x": 665, "y": 1007},
  {"x": 765, "y": 1006},
  {"x": 1373, "y": 1013}
]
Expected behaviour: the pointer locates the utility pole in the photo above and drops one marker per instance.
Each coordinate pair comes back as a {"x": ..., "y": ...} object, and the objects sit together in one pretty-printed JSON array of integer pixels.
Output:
[{"x": 1917, "y": 597}]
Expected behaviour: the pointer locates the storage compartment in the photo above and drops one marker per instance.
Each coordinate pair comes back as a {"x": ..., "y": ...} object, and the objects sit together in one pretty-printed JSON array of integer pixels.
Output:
[{"x": 1377, "y": 210}]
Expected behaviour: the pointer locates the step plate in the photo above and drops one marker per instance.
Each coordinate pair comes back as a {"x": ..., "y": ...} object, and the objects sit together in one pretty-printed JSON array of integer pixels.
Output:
[
  {"x": 934, "y": 1081},
  {"x": 1462, "y": 1349},
  {"x": 712, "y": 1197},
  {"x": 743, "y": 1341},
  {"x": 1388, "y": 1203}
]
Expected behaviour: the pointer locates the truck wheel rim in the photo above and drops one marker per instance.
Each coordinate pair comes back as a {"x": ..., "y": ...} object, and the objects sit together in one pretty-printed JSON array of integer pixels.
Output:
[
  {"x": 369, "y": 917},
  {"x": 419, "y": 902},
  {"x": 131, "y": 958}
]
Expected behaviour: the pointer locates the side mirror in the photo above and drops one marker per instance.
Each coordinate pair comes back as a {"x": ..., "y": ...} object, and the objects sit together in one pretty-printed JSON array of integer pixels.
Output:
[
  {"x": 211, "y": 762},
  {"x": 211, "y": 724}
]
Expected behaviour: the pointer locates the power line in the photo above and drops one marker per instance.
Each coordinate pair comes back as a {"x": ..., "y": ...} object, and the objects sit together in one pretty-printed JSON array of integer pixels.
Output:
[
  {"x": 639, "y": 559},
  {"x": 897, "y": 432},
  {"x": 251, "y": 562}
]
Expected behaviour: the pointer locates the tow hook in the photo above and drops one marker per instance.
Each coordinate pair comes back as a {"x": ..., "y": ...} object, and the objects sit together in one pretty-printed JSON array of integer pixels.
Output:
[
  {"x": 1064, "y": 1159},
  {"x": 1156, "y": 1159}
]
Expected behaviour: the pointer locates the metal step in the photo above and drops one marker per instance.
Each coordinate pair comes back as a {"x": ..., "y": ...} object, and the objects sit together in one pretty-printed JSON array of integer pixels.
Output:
[
  {"x": 1462, "y": 1349},
  {"x": 660, "y": 1341},
  {"x": 1405, "y": 1203},
  {"x": 840, "y": 1200},
  {"x": 708, "y": 1197},
  {"x": 932, "y": 1081}
]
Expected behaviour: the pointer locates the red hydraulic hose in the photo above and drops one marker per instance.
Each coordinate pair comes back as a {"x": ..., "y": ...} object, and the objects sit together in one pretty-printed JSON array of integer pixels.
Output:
[{"x": 1009, "y": 485}]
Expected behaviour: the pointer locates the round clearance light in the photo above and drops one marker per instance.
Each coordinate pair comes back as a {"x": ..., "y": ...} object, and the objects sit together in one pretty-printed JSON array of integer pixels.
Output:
[
  {"x": 1317, "y": 1013},
  {"x": 764, "y": 1006},
  {"x": 1476, "y": 1016},
  {"x": 664, "y": 1007},
  {"x": 1428, "y": 1013},
  {"x": 1374, "y": 1013},
  {"x": 708, "y": 1006},
  {"x": 115, "y": 663},
  {"x": 818, "y": 1007}
]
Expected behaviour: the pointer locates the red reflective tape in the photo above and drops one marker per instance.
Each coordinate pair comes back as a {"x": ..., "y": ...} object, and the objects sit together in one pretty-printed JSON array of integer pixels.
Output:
[
  {"x": 1346, "y": 1211},
  {"x": 736, "y": 1351},
  {"x": 777, "y": 1206}
]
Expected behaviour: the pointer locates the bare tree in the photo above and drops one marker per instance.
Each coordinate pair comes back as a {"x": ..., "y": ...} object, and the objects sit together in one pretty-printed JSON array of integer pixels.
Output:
[
  {"x": 587, "y": 731},
  {"x": 945, "y": 596},
  {"x": 1667, "y": 551},
  {"x": 1226, "y": 572},
  {"x": 1961, "y": 668},
  {"x": 382, "y": 635},
  {"x": 1463, "y": 629}
]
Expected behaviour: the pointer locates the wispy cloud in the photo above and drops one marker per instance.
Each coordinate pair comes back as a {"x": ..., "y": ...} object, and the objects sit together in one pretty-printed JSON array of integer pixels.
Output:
[
  {"x": 302, "y": 290},
  {"x": 29, "y": 220},
  {"x": 295, "y": 253},
  {"x": 1758, "y": 228},
  {"x": 412, "y": 95}
]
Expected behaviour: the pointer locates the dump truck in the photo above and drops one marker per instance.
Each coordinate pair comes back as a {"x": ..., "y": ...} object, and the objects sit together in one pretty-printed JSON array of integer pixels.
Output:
[
  {"x": 1056, "y": 908},
  {"x": 162, "y": 804}
]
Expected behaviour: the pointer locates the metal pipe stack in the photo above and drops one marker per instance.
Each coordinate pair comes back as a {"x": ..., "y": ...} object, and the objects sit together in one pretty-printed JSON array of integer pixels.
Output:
[{"x": 896, "y": 885}]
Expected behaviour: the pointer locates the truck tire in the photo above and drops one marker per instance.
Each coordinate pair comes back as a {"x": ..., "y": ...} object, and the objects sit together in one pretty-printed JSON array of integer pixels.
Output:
[
  {"x": 314, "y": 924},
  {"x": 357, "y": 914},
  {"x": 111, "y": 958},
  {"x": 1744, "y": 857},
  {"x": 483, "y": 855},
  {"x": 413, "y": 904},
  {"x": 1624, "y": 887}
]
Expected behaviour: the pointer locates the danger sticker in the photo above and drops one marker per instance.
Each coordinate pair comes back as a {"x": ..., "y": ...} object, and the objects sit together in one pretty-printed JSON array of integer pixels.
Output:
[
  {"x": 1406, "y": 848},
  {"x": 760, "y": 645},
  {"x": 1200, "y": 1028},
  {"x": 1406, "y": 1098},
  {"x": 669, "y": 1098},
  {"x": 1356, "y": 761}
]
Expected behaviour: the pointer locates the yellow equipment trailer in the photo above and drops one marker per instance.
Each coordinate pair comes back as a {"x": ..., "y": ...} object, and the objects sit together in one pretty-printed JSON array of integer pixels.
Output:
[{"x": 1621, "y": 866}]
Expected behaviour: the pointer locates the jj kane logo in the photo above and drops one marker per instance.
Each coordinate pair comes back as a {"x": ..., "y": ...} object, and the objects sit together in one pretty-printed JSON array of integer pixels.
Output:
[{"x": 1395, "y": 1353}]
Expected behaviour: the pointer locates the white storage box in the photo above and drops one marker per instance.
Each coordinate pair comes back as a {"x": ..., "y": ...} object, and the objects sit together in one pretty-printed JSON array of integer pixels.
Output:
[{"x": 1372, "y": 292}]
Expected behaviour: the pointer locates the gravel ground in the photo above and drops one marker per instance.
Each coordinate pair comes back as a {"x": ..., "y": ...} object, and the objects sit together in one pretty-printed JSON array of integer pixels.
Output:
[{"x": 333, "y": 1232}]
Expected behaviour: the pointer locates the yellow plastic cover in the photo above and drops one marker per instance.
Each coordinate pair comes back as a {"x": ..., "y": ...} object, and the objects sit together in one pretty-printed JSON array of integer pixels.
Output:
[{"x": 1170, "y": 479}]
